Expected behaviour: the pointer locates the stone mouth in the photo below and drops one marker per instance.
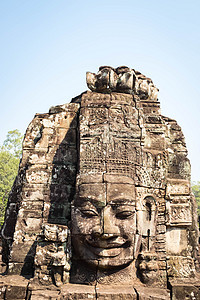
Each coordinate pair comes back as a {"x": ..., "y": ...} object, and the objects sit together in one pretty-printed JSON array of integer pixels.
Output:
[
  {"x": 106, "y": 252},
  {"x": 107, "y": 249}
]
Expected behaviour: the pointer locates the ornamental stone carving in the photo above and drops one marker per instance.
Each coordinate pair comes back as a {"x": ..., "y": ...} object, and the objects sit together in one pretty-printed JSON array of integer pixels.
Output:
[{"x": 102, "y": 205}]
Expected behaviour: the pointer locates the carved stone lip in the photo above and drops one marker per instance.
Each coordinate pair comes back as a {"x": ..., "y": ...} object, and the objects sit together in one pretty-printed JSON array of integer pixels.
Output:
[
  {"x": 107, "y": 244},
  {"x": 106, "y": 252},
  {"x": 104, "y": 246},
  {"x": 107, "y": 249}
]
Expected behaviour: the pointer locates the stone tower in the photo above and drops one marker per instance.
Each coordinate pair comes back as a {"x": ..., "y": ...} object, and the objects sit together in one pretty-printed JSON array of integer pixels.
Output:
[{"x": 102, "y": 206}]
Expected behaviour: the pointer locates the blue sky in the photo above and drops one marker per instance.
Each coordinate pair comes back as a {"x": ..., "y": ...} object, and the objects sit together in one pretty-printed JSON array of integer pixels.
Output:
[{"x": 47, "y": 46}]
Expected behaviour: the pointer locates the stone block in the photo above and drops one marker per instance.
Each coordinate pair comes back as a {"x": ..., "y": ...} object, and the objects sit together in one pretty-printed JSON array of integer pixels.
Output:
[
  {"x": 33, "y": 192},
  {"x": 93, "y": 118},
  {"x": 148, "y": 268},
  {"x": 93, "y": 178},
  {"x": 120, "y": 191},
  {"x": 117, "y": 292},
  {"x": 31, "y": 209},
  {"x": 15, "y": 268},
  {"x": 45, "y": 294},
  {"x": 149, "y": 177},
  {"x": 98, "y": 191},
  {"x": 176, "y": 240},
  {"x": 150, "y": 107},
  {"x": 13, "y": 287},
  {"x": 38, "y": 156},
  {"x": 43, "y": 140},
  {"x": 109, "y": 277},
  {"x": 67, "y": 107},
  {"x": 81, "y": 274},
  {"x": 150, "y": 293},
  {"x": 2, "y": 290},
  {"x": 33, "y": 132},
  {"x": 179, "y": 166},
  {"x": 179, "y": 214},
  {"x": 41, "y": 258},
  {"x": 38, "y": 175},
  {"x": 115, "y": 178},
  {"x": 185, "y": 289},
  {"x": 36, "y": 212},
  {"x": 21, "y": 250},
  {"x": 61, "y": 192},
  {"x": 155, "y": 139},
  {"x": 153, "y": 119},
  {"x": 59, "y": 213},
  {"x": 27, "y": 224},
  {"x": 95, "y": 100},
  {"x": 56, "y": 233},
  {"x": 180, "y": 266},
  {"x": 65, "y": 136},
  {"x": 15, "y": 292},
  {"x": 77, "y": 291},
  {"x": 177, "y": 187},
  {"x": 63, "y": 174},
  {"x": 124, "y": 99},
  {"x": 67, "y": 119},
  {"x": 65, "y": 155}
]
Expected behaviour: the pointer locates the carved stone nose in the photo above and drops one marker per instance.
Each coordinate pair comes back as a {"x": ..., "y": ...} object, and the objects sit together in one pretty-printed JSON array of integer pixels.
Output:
[
  {"x": 110, "y": 229},
  {"x": 97, "y": 230}
]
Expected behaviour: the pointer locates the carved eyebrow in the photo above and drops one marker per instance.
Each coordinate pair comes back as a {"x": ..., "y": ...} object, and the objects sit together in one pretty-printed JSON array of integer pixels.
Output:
[
  {"x": 91, "y": 201},
  {"x": 86, "y": 199},
  {"x": 127, "y": 200}
]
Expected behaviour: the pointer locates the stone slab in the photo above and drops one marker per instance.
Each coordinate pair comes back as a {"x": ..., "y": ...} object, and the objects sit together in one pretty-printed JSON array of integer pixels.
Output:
[
  {"x": 117, "y": 292},
  {"x": 150, "y": 293},
  {"x": 77, "y": 291},
  {"x": 185, "y": 288},
  {"x": 13, "y": 287}
]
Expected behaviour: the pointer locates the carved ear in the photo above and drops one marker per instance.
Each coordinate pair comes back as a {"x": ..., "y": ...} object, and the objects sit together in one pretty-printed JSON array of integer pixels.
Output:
[{"x": 138, "y": 241}]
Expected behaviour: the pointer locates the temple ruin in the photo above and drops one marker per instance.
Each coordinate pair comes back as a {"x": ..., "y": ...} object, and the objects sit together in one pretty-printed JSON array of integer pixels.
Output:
[{"x": 102, "y": 206}]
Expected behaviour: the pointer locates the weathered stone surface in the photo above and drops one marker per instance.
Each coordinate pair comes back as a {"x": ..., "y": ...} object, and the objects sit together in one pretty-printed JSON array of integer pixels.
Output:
[
  {"x": 36, "y": 292},
  {"x": 185, "y": 289},
  {"x": 77, "y": 291},
  {"x": 122, "y": 79},
  {"x": 45, "y": 294},
  {"x": 112, "y": 292},
  {"x": 102, "y": 199},
  {"x": 13, "y": 287},
  {"x": 145, "y": 293},
  {"x": 180, "y": 267}
]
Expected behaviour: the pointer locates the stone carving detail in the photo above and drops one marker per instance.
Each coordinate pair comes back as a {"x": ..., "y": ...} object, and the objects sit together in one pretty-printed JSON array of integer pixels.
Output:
[
  {"x": 119, "y": 156},
  {"x": 148, "y": 268},
  {"x": 180, "y": 266},
  {"x": 122, "y": 79},
  {"x": 102, "y": 205},
  {"x": 104, "y": 223},
  {"x": 53, "y": 255},
  {"x": 179, "y": 214}
]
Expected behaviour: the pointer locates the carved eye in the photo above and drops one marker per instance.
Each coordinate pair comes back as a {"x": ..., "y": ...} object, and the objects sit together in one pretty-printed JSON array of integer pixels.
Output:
[
  {"x": 89, "y": 213},
  {"x": 124, "y": 214}
]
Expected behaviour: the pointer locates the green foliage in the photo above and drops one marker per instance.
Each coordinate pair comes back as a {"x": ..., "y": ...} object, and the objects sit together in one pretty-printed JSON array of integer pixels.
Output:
[
  {"x": 196, "y": 191},
  {"x": 13, "y": 142},
  {"x": 10, "y": 154}
]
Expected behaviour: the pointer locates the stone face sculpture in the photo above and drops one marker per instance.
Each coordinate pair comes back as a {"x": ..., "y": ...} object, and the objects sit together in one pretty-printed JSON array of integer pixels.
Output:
[
  {"x": 102, "y": 205},
  {"x": 104, "y": 222}
]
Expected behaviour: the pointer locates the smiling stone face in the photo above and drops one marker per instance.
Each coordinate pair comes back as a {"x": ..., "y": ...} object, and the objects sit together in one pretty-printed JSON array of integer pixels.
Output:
[{"x": 104, "y": 223}]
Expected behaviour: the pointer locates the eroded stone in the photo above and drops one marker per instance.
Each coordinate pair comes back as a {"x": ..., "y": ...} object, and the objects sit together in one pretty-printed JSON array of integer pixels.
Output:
[{"x": 111, "y": 174}]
